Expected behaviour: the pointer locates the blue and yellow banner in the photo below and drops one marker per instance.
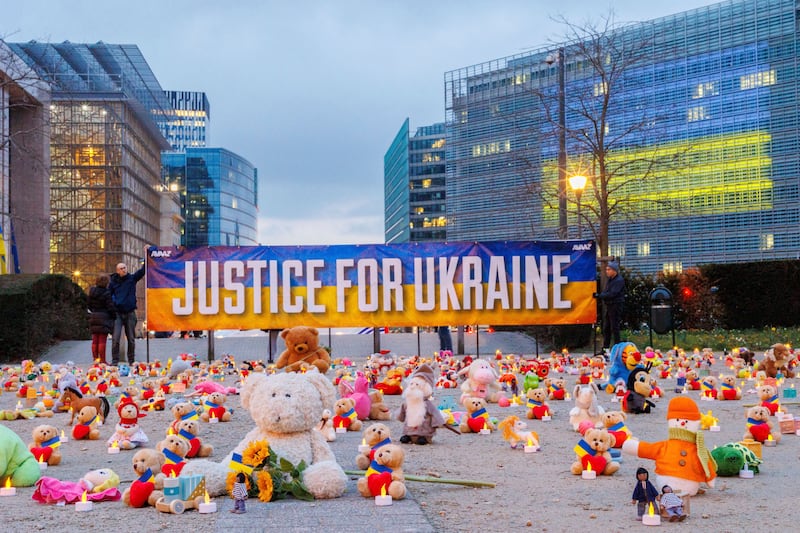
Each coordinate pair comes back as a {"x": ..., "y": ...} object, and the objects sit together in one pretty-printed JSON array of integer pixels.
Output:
[{"x": 425, "y": 284}]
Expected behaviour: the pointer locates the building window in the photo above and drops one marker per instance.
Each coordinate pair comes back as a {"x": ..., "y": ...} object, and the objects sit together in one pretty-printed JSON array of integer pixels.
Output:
[
  {"x": 758, "y": 79},
  {"x": 696, "y": 113},
  {"x": 600, "y": 88},
  {"x": 617, "y": 250},
  {"x": 643, "y": 249},
  {"x": 766, "y": 242},
  {"x": 426, "y": 183},
  {"x": 675, "y": 267},
  {"x": 491, "y": 148},
  {"x": 702, "y": 90}
]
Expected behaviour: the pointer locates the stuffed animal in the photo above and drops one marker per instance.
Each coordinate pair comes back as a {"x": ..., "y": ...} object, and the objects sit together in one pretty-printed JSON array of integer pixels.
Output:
[
  {"x": 303, "y": 350},
  {"x": 614, "y": 422},
  {"x": 127, "y": 433},
  {"x": 708, "y": 387},
  {"x": 624, "y": 357},
  {"x": 87, "y": 422},
  {"x": 391, "y": 385},
  {"x": 682, "y": 461},
  {"x": 16, "y": 460},
  {"x": 385, "y": 474},
  {"x": 46, "y": 444},
  {"x": 759, "y": 427},
  {"x": 375, "y": 436},
  {"x": 98, "y": 485},
  {"x": 181, "y": 411},
  {"x": 586, "y": 405},
  {"x": 76, "y": 401},
  {"x": 476, "y": 418},
  {"x": 729, "y": 460},
  {"x": 174, "y": 448},
  {"x": 728, "y": 389},
  {"x": 556, "y": 388},
  {"x": 537, "y": 404},
  {"x": 768, "y": 394},
  {"x": 638, "y": 391},
  {"x": 359, "y": 392},
  {"x": 325, "y": 426},
  {"x": 776, "y": 360},
  {"x": 531, "y": 381},
  {"x": 592, "y": 450},
  {"x": 189, "y": 430},
  {"x": 378, "y": 409},
  {"x": 285, "y": 408},
  {"x": 481, "y": 382},
  {"x": 147, "y": 488},
  {"x": 419, "y": 415},
  {"x": 344, "y": 415},
  {"x": 516, "y": 431},
  {"x": 214, "y": 406},
  {"x": 692, "y": 380},
  {"x": 748, "y": 456}
]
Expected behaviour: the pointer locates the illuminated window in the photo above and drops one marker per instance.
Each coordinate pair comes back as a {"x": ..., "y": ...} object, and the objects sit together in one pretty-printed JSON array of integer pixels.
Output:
[
  {"x": 419, "y": 210},
  {"x": 430, "y": 158},
  {"x": 519, "y": 79},
  {"x": 673, "y": 268},
  {"x": 491, "y": 148},
  {"x": 758, "y": 79},
  {"x": 600, "y": 88},
  {"x": 696, "y": 113},
  {"x": 235, "y": 203},
  {"x": 426, "y": 183},
  {"x": 708, "y": 88},
  {"x": 767, "y": 242},
  {"x": 617, "y": 250},
  {"x": 439, "y": 143},
  {"x": 643, "y": 249}
]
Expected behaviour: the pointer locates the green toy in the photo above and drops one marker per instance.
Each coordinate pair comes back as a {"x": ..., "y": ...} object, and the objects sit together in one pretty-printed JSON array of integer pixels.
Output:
[
  {"x": 531, "y": 382},
  {"x": 731, "y": 458},
  {"x": 16, "y": 461}
]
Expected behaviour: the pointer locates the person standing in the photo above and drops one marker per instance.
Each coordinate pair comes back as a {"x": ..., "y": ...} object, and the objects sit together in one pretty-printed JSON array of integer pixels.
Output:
[
  {"x": 102, "y": 315},
  {"x": 123, "y": 290},
  {"x": 613, "y": 298},
  {"x": 445, "y": 339}
]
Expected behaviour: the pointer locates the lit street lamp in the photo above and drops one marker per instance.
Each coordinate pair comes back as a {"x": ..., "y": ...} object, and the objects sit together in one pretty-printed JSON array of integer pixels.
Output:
[{"x": 578, "y": 183}]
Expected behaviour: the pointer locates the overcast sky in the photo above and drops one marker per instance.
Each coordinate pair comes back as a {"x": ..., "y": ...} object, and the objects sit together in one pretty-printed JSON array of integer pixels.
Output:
[{"x": 313, "y": 92}]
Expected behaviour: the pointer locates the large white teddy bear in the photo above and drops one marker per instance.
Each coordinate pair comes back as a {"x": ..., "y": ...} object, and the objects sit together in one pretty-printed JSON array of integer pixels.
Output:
[{"x": 285, "y": 408}]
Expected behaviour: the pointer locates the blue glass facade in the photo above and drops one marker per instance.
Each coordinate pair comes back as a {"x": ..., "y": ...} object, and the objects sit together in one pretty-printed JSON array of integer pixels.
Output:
[
  {"x": 395, "y": 188},
  {"x": 715, "y": 94},
  {"x": 191, "y": 123},
  {"x": 219, "y": 192}
]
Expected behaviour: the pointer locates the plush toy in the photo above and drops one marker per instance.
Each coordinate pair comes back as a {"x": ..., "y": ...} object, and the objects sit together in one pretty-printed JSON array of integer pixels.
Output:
[
  {"x": 378, "y": 410},
  {"x": 624, "y": 358},
  {"x": 86, "y": 428},
  {"x": 776, "y": 361},
  {"x": 76, "y": 401},
  {"x": 556, "y": 388},
  {"x": 481, "y": 382},
  {"x": 614, "y": 422},
  {"x": 708, "y": 387},
  {"x": 285, "y": 408},
  {"x": 692, "y": 380},
  {"x": 419, "y": 415},
  {"x": 127, "y": 433},
  {"x": 189, "y": 430},
  {"x": 477, "y": 418},
  {"x": 385, "y": 473},
  {"x": 214, "y": 406},
  {"x": 759, "y": 427},
  {"x": 174, "y": 448},
  {"x": 302, "y": 350},
  {"x": 537, "y": 404},
  {"x": 592, "y": 450},
  {"x": 748, "y": 456},
  {"x": 16, "y": 460},
  {"x": 207, "y": 387},
  {"x": 729, "y": 460},
  {"x": 181, "y": 411},
  {"x": 344, "y": 415},
  {"x": 531, "y": 381},
  {"x": 391, "y": 385},
  {"x": 375, "y": 436},
  {"x": 99, "y": 485},
  {"x": 147, "y": 488},
  {"x": 728, "y": 389},
  {"x": 516, "y": 431},
  {"x": 768, "y": 394},
  {"x": 682, "y": 461},
  {"x": 325, "y": 426},
  {"x": 358, "y": 391},
  {"x": 46, "y": 445},
  {"x": 586, "y": 405},
  {"x": 639, "y": 388}
]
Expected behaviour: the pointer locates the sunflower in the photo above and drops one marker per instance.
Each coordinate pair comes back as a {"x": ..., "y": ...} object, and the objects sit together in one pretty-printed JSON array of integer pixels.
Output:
[
  {"x": 255, "y": 453},
  {"x": 264, "y": 483},
  {"x": 230, "y": 479}
]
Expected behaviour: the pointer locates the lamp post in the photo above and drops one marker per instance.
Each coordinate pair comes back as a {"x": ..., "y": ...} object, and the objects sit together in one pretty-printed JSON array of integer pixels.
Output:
[
  {"x": 562, "y": 147},
  {"x": 578, "y": 183}
]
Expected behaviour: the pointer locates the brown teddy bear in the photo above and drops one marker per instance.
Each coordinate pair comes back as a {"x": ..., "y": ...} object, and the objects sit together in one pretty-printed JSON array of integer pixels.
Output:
[
  {"x": 45, "y": 445},
  {"x": 344, "y": 415},
  {"x": 708, "y": 388},
  {"x": 189, "y": 430},
  {"x": 776, "y": 360},
  {"x": 129, "y": 393},
  {"x": 375, "y": 436},
  {"x": 476, "y": 418},
  {"x": 768, "y": 394},
  {"x": 174, "y": 448},
  {"x": 378, "y": 409},
  {"x": 614, "y": 422},
  {"x": 385, "y": 472},
  {"x": 727, "y": 389},
  {"x": 181, "y": 411},
  {"x": 759, "y": 426},
  {"x": 592, "y": 450},
  {"x": 537, "y": 403},
  {"x": 692, "y": 380},
  {"x": 87, "y": 421},
  {"x": 214, "y": 406},
  {"x": 149, "y": 387},
  {"x": 556, "y": 388},
  {"x": 147, "y": 488},
  {"x": 303, "y": 350}
]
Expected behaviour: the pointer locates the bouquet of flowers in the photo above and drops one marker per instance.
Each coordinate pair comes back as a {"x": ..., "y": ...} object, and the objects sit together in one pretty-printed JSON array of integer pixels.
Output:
[{"x": 269, "y": 477}]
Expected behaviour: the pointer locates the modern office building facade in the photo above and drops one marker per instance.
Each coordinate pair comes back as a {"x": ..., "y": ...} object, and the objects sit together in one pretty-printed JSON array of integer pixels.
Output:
[
  {"x": 414, "y": 185},
  {"x": 219, "y": 196},
  {"x": 105, "y": 149},
  {"x": 717, "y": 86},
  {"x": 190, "y": 125}
]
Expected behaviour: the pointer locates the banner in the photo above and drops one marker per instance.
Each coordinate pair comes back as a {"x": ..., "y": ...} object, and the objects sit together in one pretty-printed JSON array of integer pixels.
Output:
[{"x": 412, "y": 284}]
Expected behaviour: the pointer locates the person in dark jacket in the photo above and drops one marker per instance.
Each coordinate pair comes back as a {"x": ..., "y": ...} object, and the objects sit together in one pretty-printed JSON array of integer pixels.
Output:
[
  {"x": 102, "y": 314},
  {"x": 123, "y": 290},
  {"x": 613, "y": 298}
]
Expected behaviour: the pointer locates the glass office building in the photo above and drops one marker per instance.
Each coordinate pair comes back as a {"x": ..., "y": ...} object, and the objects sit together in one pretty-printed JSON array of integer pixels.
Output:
[
  {"x": 219, "y": 192},
  {"x": 190, "y": 125},
  {"x": 414, "y": 178},
  {"x": 716, "y": 88}
]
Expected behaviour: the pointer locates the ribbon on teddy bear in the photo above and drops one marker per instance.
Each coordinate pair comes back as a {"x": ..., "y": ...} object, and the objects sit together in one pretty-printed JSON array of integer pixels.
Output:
[
  {"x": 378, "y": 476},
  {"x": 173, "y": 463},
  {"x": 758, "y": 429}
]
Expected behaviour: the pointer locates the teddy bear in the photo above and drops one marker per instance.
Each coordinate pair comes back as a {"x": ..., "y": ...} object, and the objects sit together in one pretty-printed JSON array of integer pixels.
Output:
[
  {"x": 174, "y": 448},
  {"x": 639, "y": 389},
  {"x": 46, "y": 444},
  {"x": 537, "y": 403},
  {"x": 556, "y": 388},
  {"x": 727, "y": 389},
  {"x": 385, "y": 474},
  {"x": 476, "y": 417},
  {"x": 759, "y": 427},
  {"x": 87, "y": 421},
  {"x": 128, "y": 434},
  {"x": 149, "y": 387},
  {"x": 481, "y": 382},
  {"x": 419, "y": 415},
  {"x": 147, "y": 488},
  {"x": 214, "y": 406},
  {"x": 378, "y": 409},
  {"x": 358, "y": 390},
  {"x": 776, "y": 360},
  {"x": 592, "y": 450},
  {"x": 586, "y": 405},
  {"x": 391, "y": 384},
  {"x": 302, "y": 350},
  {"x": 768, "y": 394},
  {"x": 375, "y": 436},
  {"x": 614, "y": 422},
  {"x": 345, "y": 416},
  {"x": 189, "y": 430},
  {"x": 285, "y": 407},
  {"x": 181, "y": 411},
  {"x": 708, "y": 388}
]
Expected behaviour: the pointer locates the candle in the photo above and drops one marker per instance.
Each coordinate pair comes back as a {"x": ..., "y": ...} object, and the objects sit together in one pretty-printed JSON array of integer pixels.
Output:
[
  {"x": 114, "y": 448},
  {"x": 213, "y": 419},
  {"x": 530, "y": 447},
  {"x": 546, "y": 417},
  {"x": 384, "y": 499},
  {"x": 714, "y": 427},
  {"x": 770, "y": 442},
  {"x": 64, "y": 437},
  {"x": 745, "y": 472},
  {"x": 8, "y": 490},
  {"x": 588, "y": 473},
  {"x": 363, "y": 447},
  {"x": 171, "y": 488},
  {"x": 207, "y": 506},
  {"x": 651, "y": 518},
  {"x": 83, "y": 505},
  {"x": 42, "y": 464},
  {"x": 485, "y": 429},
  {"x": 341, "y": 428}
]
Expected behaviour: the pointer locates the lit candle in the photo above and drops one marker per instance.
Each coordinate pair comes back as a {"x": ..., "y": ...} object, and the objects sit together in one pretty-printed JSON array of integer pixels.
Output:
[
  {"x": 42, "y": 464},
  {"x": 207, "y": 506},
  {"x": 770, "y": 442},
  {"x": 213, "y": 419},
  {"x": 64, "y": 437},
  {"x": 651, "y": 518},
  {"x": 530, "y": 447},
  {"x": 745, "y": 472},
  {"x": 114, "y": 448},
  {"x": 341, "y": 428},
  {"x": 84, "y": 505},
  {"x": 588, "y": 473},
  {"x": 363, "y": 447},
  {"x": 384, "y": 499},
  {"x": 485, "y": 429},
  {"x": 546, "y": 417},
  {"x": 8, "y": 490}
]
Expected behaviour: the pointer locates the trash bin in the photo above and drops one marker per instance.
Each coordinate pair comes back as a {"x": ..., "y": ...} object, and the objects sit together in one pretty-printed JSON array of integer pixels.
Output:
[{"x": 660, "y": 310}]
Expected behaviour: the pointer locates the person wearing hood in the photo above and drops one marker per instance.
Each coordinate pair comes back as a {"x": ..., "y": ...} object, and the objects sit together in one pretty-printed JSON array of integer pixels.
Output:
[
  {"x": 613, "y": 298},
  {"x": 644, "y": 493}
]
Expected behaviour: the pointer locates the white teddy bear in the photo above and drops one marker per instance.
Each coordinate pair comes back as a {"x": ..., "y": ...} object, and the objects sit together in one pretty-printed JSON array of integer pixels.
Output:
[{"x": 285, "y": 408}]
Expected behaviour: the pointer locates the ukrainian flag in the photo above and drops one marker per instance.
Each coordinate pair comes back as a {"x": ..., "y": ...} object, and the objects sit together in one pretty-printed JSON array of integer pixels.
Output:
[
  {"x": 3, "y": 259},
  {"x": 237, "y": 465}
]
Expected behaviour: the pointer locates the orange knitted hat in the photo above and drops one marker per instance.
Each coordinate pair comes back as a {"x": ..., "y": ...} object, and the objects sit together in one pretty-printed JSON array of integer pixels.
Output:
[{"x": 683, "y": 407}]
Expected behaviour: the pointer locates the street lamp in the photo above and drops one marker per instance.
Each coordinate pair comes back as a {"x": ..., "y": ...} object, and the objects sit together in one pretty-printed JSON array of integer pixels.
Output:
[
  {"x": 558, "y": 58},
  {"x": 578, "y": 183}
]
